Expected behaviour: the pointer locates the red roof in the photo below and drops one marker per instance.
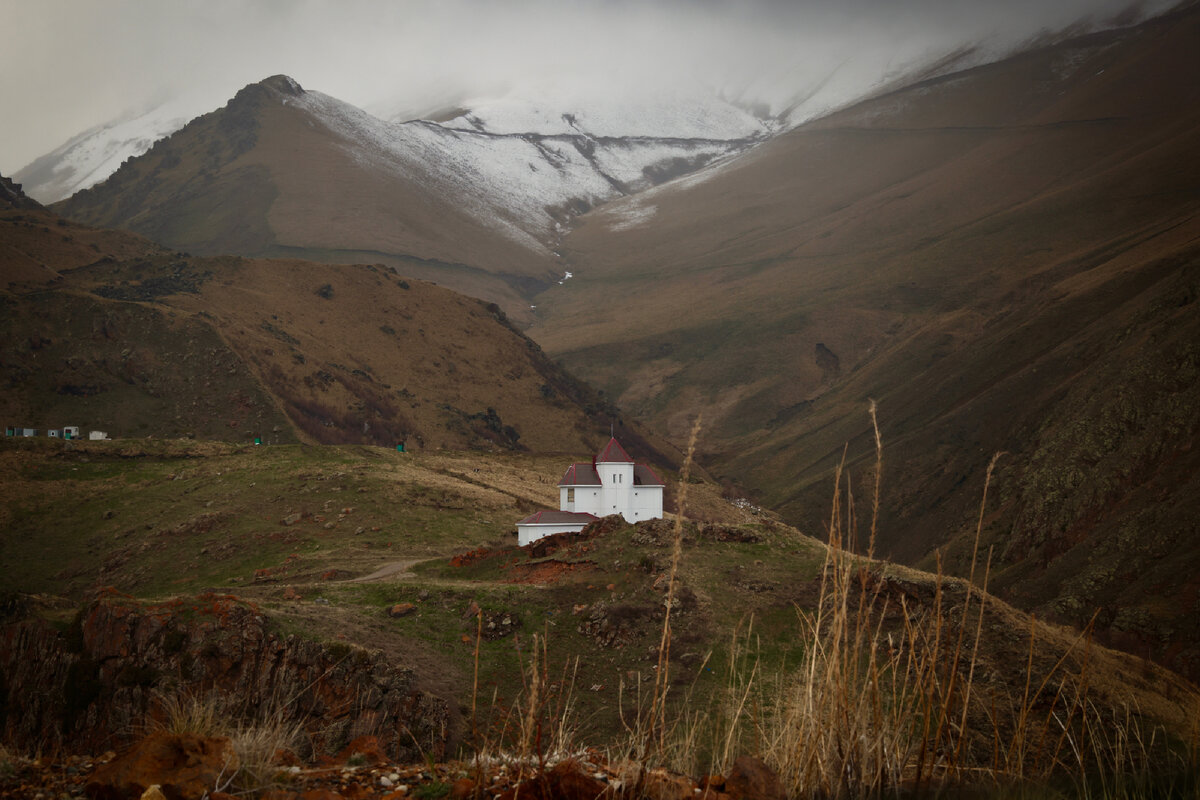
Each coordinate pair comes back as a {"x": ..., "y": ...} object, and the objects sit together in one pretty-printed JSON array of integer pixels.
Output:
[
  {"x": 613, "y": 453},
  {"x": 580, "y": 474},
  {"x": 558, "y": 518},
  {"x": 644, "y": 476}
]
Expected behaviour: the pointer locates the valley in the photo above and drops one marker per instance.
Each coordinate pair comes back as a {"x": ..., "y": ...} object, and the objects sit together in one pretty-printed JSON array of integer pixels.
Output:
[
  {"x": 1005, "y": 259},
  {"x": 284, "y": 171},
  {"x": 921, "y": 376}
]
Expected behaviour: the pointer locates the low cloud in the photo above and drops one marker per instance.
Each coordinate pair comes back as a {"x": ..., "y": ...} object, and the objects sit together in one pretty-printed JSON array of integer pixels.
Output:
[{"x": 66, "y": 66}]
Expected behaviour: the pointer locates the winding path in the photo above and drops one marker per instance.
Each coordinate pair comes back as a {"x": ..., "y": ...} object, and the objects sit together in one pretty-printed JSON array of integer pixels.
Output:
[{"x": 398, "y": 570}]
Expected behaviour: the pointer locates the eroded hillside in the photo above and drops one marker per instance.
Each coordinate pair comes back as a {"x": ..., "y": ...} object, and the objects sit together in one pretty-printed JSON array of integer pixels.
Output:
[{"x": 1006, "y": 259}]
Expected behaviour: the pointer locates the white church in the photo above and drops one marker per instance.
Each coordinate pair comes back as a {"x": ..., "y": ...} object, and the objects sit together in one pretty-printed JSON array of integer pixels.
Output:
[{"x": 611, "y": 484}]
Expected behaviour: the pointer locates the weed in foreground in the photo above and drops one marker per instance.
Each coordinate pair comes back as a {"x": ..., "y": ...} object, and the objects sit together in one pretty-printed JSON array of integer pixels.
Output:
[
  {"x": 9, "y": 763},
  {"x": 886, "y": 698},
  {"x": 535, "y": 729},
  {"x": 257, "y": 745},
  {"x": 256, "y": 740},
  {"x": 185, "y": 712}
]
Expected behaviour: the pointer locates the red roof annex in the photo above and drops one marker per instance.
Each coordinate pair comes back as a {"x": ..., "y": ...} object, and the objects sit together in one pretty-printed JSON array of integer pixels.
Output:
[
  {"x": 558, "y": 518},
  {"x": 644, "y": 476}
]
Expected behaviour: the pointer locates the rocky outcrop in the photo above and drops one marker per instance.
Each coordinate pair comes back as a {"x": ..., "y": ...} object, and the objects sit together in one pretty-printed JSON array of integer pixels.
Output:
[
  {"x": 96, "y": 684},
  {"x": 11, "y": 195}
]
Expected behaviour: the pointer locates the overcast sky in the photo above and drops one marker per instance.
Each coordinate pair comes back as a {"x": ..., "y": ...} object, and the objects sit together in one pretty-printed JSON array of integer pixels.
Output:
[{"x": 67, "y": 65}]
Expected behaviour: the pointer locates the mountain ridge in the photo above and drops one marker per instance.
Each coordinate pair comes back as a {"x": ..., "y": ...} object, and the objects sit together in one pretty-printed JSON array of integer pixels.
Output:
[
  {"x": 108, "y": 331},
  {"x": 280, "y": 170}
]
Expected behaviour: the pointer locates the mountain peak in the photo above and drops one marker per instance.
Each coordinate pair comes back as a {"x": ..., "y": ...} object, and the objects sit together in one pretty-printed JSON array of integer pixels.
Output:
[
  {"x": 266, "y": 90},
  {"x": 282, "y": 84}
]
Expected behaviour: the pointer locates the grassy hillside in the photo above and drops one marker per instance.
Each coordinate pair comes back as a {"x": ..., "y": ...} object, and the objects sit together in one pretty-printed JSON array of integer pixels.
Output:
[
  {"x": 414, "y": 554},
  {"x": 107, "y": 331},
  {"x": 364, "y": 528},
  {"x": 1006, "y": 259}
]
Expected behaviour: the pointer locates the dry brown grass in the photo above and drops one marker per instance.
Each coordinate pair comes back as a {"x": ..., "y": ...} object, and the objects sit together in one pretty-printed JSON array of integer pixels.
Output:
[
  {"x": 185, "y": 712},
  {"x": 889, "y": 696},
  {"x": 9, "y": 763},
  {"x": 256, "y": 739},
  {"x": 537, "y": 728}
]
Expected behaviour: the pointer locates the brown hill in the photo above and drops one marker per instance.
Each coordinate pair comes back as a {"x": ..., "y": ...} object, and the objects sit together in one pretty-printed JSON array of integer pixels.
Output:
[
  {"x": 263, "y": 176},
  {"x": 1007, "y": 259},
  {"x": 107, "y": 331}
]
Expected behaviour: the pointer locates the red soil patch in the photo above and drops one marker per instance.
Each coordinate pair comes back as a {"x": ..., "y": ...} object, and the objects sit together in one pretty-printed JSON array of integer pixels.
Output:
[
  {"x": 469, "y": 557},
  {"x": 546, "y": 572}
]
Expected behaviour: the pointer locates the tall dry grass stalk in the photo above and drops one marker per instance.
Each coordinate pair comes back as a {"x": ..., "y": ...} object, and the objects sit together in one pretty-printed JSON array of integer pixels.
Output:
[
  {"x": 256, "y": 738},
  {"x": 540, "y": 726},
  {"x": 652, "y": 737},
  {"x": 651, "y": 731},
  {"x": 866, "y": 711}
]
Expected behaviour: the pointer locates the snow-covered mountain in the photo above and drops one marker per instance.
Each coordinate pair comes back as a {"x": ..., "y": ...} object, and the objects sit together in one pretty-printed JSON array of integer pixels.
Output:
[
  {"x": 90, "y": 157},
  {"x": 477, "y": 202},
  {"x": 519, "y": 168},
  {"x": 526, "y": 168},
  {"x": 698, "y": 113},
  {"x": 571, "y": 136}
]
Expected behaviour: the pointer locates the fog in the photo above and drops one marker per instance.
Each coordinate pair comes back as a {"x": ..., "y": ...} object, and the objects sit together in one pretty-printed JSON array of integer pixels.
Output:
[{"x": 67, "y": 65}]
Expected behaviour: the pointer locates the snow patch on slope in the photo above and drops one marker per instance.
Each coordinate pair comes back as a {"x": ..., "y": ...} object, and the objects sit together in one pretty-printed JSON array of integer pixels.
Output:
[
  {"x": 630, "y": 215},
  {"x": 678, "y": 114},
  {"x": 527, "y": 185}
]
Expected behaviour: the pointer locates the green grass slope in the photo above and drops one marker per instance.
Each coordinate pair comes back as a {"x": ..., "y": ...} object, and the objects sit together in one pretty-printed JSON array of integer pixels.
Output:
[{"x": 413, "y": 554}]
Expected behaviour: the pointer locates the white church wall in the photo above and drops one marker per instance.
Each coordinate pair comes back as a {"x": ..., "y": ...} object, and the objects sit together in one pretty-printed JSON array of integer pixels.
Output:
[{"x": 646, "y": 503}]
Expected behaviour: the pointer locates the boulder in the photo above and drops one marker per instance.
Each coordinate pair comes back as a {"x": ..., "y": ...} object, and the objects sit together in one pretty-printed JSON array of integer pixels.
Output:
[
  {"x": 751, "y": 779},
  {"x": 183, "y": 766},
  {"x": 566, "y": 781}
]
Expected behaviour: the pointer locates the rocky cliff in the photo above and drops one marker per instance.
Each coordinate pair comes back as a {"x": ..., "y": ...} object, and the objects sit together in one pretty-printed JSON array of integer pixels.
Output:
[
  {"x": 12, "y": 196},
  {"x": 99, "y": 683}
]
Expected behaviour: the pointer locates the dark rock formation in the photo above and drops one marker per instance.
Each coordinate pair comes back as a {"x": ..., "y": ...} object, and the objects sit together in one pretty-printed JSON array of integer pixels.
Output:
[
  {"x": 11, "y": 195},
  {"x": 95, "y": 685}
]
